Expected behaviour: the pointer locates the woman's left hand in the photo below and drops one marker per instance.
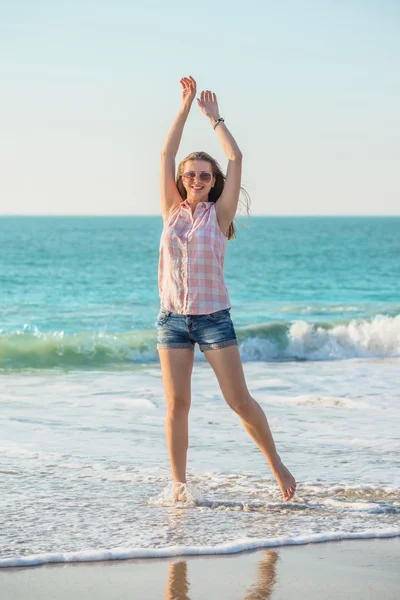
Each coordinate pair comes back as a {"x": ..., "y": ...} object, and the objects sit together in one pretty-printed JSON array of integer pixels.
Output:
[{"x": 208, "y": 104}]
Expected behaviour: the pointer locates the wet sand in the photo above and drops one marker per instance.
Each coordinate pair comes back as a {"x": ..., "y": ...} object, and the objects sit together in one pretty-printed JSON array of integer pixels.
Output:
[{"x": 350, "y": 569}]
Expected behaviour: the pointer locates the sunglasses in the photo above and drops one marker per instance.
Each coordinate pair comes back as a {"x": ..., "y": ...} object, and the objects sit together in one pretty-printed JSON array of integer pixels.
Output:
[{"x": 205, "y": 177}]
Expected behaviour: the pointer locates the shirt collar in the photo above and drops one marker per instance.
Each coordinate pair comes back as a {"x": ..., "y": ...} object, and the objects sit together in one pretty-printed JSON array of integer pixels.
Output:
[{"x": 187, "y": 204}]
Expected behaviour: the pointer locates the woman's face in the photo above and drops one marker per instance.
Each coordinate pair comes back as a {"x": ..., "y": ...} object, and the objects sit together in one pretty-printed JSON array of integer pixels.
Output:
[{"x": 197, "y": 189}]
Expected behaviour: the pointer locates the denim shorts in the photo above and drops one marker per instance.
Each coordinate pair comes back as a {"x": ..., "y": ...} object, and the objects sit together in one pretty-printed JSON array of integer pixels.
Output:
[{"x": 211, "y": 331}]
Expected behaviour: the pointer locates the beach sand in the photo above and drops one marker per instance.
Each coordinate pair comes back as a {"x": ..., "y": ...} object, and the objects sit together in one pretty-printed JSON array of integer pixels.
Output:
[{"x": 353, "y": 569}]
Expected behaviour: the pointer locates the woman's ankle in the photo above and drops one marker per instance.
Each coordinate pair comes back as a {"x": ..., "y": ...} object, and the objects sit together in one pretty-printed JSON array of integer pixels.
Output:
[{"x": 180, "y": 491}]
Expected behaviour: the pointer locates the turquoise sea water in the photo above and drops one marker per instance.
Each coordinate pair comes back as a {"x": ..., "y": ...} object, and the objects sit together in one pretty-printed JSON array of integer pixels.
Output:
[
  {"x": 82, "y": 291},
  {"x": 84, "y": 468}
]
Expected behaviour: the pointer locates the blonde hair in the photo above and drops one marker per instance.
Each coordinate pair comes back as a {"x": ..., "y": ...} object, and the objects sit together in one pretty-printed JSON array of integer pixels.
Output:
[{"x": 215, "y": 191}]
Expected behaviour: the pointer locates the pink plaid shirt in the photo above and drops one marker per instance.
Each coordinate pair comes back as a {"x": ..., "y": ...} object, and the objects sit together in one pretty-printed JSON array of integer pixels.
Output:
[{"x": 191, "y": 261}]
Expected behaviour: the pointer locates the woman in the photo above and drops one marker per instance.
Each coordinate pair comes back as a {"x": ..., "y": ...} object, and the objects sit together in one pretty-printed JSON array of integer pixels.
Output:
[{"x": 198, "y": 209}]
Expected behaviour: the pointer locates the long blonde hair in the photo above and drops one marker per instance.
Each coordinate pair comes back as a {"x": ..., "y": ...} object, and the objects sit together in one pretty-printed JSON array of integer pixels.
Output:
[{"x": 215, "y": 191}]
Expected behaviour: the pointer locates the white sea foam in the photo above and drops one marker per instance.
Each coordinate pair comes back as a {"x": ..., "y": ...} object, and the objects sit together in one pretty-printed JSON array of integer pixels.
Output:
[
  {"x": 234, "y": 547},
  {"x": 341, "y": 505},
  {"x": 343, "y": 487},
  {"x": 177, "y": 494},
  {"x": 269, "y": 383},
  {"x": 384, "y": 445},
  {"x": 14, "y": 450},
  {"x": 321, "y": 401},
  {"x": 317, "y": 308},
  {"x": 377, "y": 337},
  {"x": 133, "y": 402}
]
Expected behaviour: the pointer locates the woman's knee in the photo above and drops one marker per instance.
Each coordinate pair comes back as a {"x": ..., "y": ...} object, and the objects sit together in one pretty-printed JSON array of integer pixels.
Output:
[
  {"x": 241, "y": 405},
  {"x": 177, "y": 406}
]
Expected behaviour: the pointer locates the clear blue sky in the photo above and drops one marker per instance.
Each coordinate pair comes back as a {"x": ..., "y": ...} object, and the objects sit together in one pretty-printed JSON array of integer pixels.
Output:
[{"x": 310, "y": 91}]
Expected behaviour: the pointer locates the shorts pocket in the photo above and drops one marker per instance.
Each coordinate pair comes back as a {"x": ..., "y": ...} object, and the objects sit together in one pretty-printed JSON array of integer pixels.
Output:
[
  {"x": 163, "y": 316},
  {"x": 219, "y": 315}
]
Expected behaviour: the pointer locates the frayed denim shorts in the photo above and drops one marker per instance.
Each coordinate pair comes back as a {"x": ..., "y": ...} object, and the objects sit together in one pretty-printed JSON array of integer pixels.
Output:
[{"x": 211, "y": 331}]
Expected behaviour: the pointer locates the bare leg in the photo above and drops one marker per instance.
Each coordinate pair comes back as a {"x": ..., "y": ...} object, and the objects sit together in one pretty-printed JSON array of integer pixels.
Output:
[
  {"x": 227, "y": 366},
  {"x": 176, "y": 367},
  {"x": 177, "y": 436},
  {"x": 256, "y": 424}
]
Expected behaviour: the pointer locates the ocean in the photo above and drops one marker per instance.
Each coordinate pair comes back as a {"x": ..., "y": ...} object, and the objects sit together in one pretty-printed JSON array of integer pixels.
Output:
[{"x": 84, "y": 468}]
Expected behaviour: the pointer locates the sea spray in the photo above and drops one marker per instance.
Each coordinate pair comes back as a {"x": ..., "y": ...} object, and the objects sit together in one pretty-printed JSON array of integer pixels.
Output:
[{"x": 178, "y": 494}]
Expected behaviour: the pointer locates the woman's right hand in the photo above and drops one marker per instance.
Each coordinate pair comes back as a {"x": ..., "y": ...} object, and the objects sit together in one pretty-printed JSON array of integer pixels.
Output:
[{"x": 188, "y": 90}]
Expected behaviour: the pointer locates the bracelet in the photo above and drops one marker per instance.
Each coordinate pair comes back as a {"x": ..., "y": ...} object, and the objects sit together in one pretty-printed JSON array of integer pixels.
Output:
[{"x": 218, "y": 121}]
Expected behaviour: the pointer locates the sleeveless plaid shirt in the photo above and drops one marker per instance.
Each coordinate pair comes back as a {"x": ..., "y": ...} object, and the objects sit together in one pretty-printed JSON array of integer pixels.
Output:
[{"x": 191, "y": 261}]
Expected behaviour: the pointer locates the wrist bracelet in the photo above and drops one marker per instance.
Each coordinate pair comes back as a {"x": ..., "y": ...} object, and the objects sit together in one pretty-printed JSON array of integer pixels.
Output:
[{"x": 218, "y": 121}]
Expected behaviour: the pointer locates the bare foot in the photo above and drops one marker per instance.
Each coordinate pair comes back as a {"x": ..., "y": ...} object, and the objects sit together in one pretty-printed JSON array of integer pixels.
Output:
[
  {"x": 180, "y": 492},
  {"x": 285, "y": 479}
]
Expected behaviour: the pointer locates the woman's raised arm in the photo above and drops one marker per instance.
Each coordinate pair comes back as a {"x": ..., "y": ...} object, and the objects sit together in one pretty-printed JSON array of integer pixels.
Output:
[
  {"x": 229, "y": 199},
  {"x": 168, "y": 191}
]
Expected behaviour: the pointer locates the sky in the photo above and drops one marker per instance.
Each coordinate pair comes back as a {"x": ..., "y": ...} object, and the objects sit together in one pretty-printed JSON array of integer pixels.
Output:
[{"x": 310, "y": 90}]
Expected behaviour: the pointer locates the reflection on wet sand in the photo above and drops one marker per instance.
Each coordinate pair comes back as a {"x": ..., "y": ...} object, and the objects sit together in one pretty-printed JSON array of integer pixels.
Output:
[{"x": 178, "y": 584}]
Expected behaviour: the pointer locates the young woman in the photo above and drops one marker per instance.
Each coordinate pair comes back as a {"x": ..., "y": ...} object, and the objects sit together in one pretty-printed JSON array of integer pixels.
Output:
[{"x": 198, "y": 209}]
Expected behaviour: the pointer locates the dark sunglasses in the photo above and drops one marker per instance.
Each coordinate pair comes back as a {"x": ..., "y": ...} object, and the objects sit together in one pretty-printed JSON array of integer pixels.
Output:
[{"x": 204, "y": 176}]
